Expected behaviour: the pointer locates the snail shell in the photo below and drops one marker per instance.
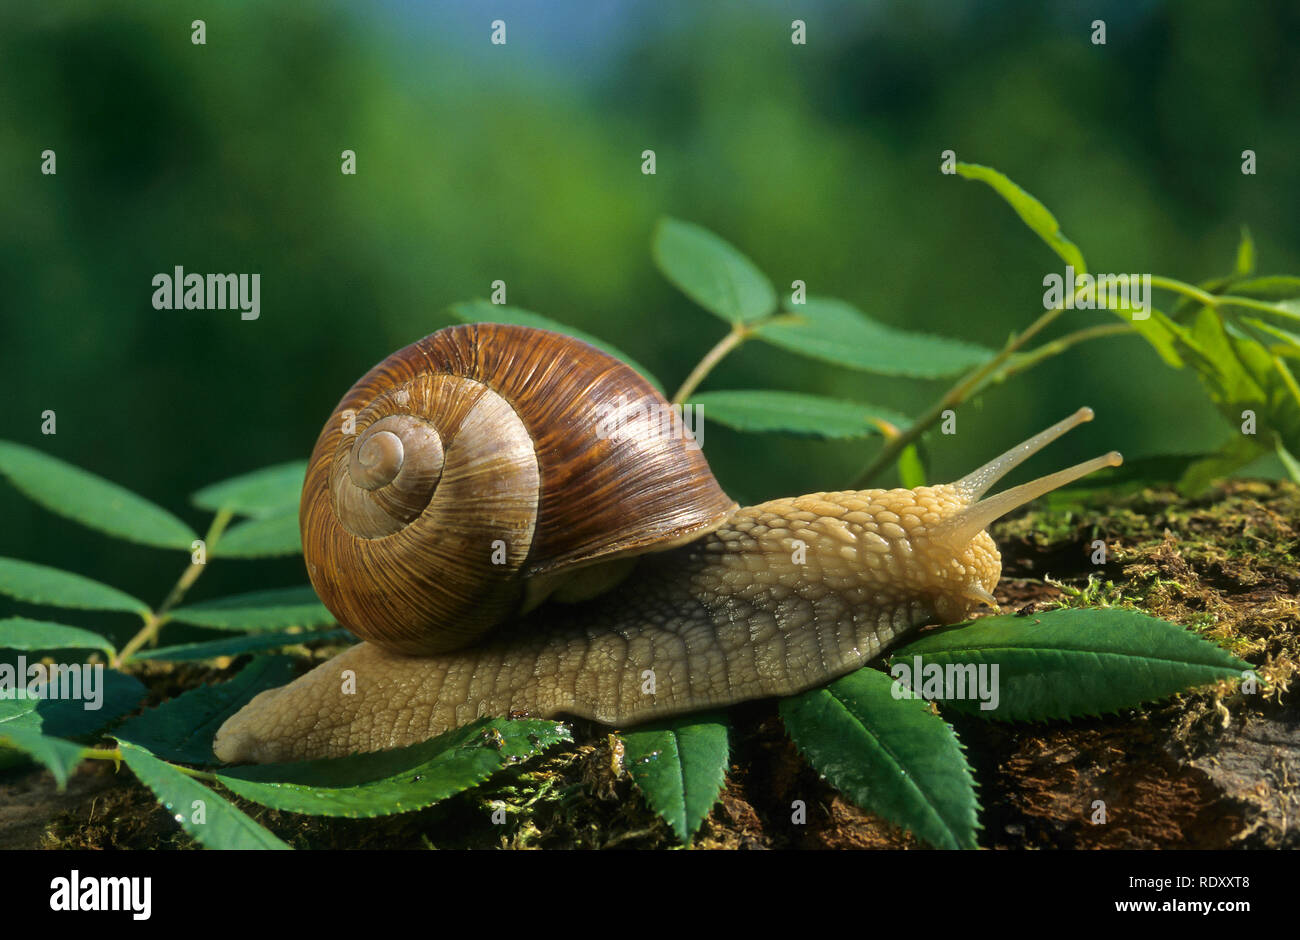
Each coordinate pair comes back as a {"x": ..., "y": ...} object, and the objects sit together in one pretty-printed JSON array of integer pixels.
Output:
[{"x": 481, "y": 459}]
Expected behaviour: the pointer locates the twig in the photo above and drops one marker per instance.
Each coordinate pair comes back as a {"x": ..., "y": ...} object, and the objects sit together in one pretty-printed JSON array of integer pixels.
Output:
[
  {"x": 953, "y": 397},
  {"x": 739, "y": 333},
  {"x": 154, "y": 619}
]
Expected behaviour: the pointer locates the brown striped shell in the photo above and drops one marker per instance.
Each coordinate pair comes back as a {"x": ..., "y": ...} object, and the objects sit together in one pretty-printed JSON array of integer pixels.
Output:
[{"x": 482, "y": 457}]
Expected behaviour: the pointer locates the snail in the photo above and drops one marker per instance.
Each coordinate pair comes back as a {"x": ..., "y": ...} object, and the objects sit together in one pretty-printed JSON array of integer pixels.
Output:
[{"x": 502, "y": 547}]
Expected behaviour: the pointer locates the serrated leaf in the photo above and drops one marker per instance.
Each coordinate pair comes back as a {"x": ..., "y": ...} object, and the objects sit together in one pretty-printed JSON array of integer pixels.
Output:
[
  {"x": 53, "y": 587},
  {"x": 482, "y": 311},
  {"x": 91, "y": 500},
  {"x": 889, "y": 755},
  {"x": 835, "y": 331},
  {"x": 37, "y": 728},
  {"x": 223, "y": 825},
  {"x": 795, "y": 413},
  {"x": 396, "y": 781},
  {"x": 23, "y": 633},
  {"x": 680, "y": 764},
  {"x": 117, "y": 694},
  {"x": 273, "y": 609},
  {"x": 182, "y": 729},
  {"x": 263, "y": 537},
  {"x": 266, "y": 492},
  {"x": 1070, "y": 663},
  {"x": 58, "y": 756},
  {"x": 712, "y": 272},
  {"x": 17, "y": 705},
  {"x": 1032, "y": 212},
  {"x": 238, "y": 645}
]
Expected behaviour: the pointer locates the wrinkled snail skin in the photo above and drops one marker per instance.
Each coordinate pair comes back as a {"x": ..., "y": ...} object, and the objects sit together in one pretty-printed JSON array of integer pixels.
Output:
[{"x": 776, "y": 598}]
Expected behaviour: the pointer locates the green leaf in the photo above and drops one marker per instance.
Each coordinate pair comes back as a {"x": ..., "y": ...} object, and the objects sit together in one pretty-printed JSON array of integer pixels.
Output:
[
  {"x": 91, "y": 500},
  {"x": 182, "y": 729},
  {"x": 1270, "y": 287},
  {"x": 1069, "y": 663},
  {"x": 58, "y": 756},
  {"x": 266, "y": 492},
  {"x": 1288, "y": 459},
  {"x": 40, "y": 584},
  {"x": 1245, "y": 265},
  {"x": 273, "y": 609},
  {"x": 238, "y": 645},
  {"x": 37, "y": 727},
  {"x": 482, "y": 311},
  {"x": 1226, "y": 376},
  {"x": 116, "y": 695},
  {"x": 889, "y": 755},
  {"x": 1288, "y": 342},
  {"x": 911, "y": 470},
  {"x": 210, "y": 818},
  {"x": 22, "y": 633},
  {"x": 1160, "y": 332},
  {"x": 680, "y": 765},
  {"x": 795, "y": 413},
  {"x": 262, "y": 537},
  {"x": 396, "y": 781},
  {"x": 18, "y": 706},
  {"x": 837, "y": 332},
  {"x": 1032, "y": 212},
  {"x": 712, "y": 272},
  {"x": 1237, "y": 452},
  {"x": 1241, "y": 374}
]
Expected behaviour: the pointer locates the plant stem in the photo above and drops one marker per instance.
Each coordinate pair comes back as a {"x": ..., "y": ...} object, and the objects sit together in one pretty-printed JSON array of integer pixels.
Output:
[
  {"x": 154, "y": 619},
  {"x": 115, "y": 755},
  {"x": 102, "y": 753},
  {"x": 739, "y": 333},
  {"x": 1047, "y": 350},
  {"x": 965, "y": 387},
  {"x": 1220, "y": 300}
]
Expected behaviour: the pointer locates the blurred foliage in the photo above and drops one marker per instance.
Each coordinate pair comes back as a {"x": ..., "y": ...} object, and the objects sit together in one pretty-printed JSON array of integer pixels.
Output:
[{"x": 522, "y": 163}]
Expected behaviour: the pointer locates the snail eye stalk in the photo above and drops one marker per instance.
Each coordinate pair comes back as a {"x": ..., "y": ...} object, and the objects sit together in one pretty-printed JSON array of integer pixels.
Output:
[{"x": 980, "y": 513}]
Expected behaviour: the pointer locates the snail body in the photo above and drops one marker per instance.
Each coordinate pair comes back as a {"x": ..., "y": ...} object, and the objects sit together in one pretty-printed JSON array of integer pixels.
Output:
[{"x": 471, "y": 482}]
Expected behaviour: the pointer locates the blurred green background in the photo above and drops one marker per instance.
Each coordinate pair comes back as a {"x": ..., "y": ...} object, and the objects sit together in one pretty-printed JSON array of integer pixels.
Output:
[{"x": 522, "y": 163}]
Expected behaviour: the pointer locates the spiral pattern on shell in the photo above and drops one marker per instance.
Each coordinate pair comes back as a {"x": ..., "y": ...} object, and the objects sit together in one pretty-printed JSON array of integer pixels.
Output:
[{"x": 476, "y": 459}]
